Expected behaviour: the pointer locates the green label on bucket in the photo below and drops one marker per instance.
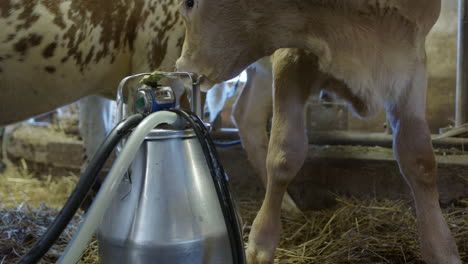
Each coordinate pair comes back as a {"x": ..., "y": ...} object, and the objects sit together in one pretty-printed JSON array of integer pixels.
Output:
[{"x": 140, "y": 102}]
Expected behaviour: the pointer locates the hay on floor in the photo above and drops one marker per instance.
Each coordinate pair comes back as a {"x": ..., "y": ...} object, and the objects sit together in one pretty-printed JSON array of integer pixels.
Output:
[
  {"x": 355, "y": 231},
  {"x": 359, "y": 231},
  {"x": 18, "y": 185},
  {"x": 21, "y": 227}
]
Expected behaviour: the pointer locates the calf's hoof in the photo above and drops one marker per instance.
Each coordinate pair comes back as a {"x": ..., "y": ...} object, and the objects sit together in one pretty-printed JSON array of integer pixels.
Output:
[
  {"x": 289, "y": 206},
  {"x": 442, "y": 254},
  {"x": 263, "y": 239},
  {"x": 256, "y": 254}
]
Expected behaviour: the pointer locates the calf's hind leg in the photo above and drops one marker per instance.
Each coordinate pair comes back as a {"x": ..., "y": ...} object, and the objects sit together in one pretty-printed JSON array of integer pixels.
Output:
[
  {"x": 413, "y": 151},
  {"x": 286, "y": 151}
]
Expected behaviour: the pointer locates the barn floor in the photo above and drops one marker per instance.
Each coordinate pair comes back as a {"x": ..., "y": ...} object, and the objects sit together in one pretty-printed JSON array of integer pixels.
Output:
[{"x": 352, "y": 231}]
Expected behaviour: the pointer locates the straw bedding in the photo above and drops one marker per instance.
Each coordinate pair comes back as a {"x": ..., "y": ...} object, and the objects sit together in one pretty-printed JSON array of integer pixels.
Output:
[{"x": 355, "y": 231}]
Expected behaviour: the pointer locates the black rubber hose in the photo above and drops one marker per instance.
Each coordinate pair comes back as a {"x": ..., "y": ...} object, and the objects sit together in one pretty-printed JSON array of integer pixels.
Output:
[
  {"x": 81, "y": 190},
  {"x": 221, "y": 184}
]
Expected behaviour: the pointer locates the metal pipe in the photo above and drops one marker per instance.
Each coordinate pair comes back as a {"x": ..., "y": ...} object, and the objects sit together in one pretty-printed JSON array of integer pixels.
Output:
[
  {"x": 353, "y": 138},
  {"x": 461, "y": 107},
  {"x": 376, "y": 139},
  {"x": 196, "y": 100},
  {"x": 195, "y": 81}
]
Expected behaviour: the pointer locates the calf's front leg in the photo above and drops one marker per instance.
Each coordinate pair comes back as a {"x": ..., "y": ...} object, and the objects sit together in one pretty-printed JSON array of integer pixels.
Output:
[
  {"x": 251, "y": 113},
  {"x": 286, "y": 153}
]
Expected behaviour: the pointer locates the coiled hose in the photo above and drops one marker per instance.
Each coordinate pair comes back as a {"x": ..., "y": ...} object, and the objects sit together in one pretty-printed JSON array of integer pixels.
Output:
[{"x": 82, "y": 188}]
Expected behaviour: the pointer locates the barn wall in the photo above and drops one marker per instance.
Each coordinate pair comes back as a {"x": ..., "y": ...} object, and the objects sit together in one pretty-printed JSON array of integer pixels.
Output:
[{"x": 364, "y": 172}]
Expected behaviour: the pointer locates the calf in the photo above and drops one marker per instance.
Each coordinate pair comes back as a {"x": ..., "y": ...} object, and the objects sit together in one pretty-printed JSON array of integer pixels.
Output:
[{"x": 371, "y": 53}]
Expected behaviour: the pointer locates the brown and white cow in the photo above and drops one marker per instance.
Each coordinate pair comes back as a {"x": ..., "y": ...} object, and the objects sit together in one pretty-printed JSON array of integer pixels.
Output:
[
  {"x": 369, "y": 52},
  {"x": 55, "y": 52}
]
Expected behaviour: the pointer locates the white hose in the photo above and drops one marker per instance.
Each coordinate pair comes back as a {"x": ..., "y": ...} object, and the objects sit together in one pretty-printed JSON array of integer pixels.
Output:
[{"x": 108, "y": 189}]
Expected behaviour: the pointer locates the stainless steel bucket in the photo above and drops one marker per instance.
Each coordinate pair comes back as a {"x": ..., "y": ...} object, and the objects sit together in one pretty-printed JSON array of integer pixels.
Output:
[{"x": 166, "y": 210}]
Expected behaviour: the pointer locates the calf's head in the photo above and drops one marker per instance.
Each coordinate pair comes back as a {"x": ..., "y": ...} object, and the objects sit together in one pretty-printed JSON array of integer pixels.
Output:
[{"x": 221, "y": 39}]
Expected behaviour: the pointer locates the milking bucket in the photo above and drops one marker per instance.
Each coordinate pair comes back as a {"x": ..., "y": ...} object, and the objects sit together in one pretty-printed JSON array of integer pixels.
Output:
[
  {"x": 166, "y": 197},
  {"x": 170, "y": 208},
  {"x": 166, "y": 209}
]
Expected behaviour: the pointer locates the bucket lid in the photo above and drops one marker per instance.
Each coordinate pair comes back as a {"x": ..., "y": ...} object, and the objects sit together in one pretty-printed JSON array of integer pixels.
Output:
[{"x": 159, "y": 133}]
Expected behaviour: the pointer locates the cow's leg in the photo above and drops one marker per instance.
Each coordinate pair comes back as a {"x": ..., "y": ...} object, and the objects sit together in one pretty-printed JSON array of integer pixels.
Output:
[
  {"x": 5, "y": 140},
  {"x": 95, "y": 123},
  {"x": 413, "y": 151},
  {"x": 286, "y": 153},
  {"x": 251, "y": 113}
]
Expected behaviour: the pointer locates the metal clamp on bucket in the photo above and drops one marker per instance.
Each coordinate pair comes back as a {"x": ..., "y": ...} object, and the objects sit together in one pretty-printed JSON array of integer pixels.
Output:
[
  {"x": 166, "y": 197},
  {"x": 151, "y": 81}
]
